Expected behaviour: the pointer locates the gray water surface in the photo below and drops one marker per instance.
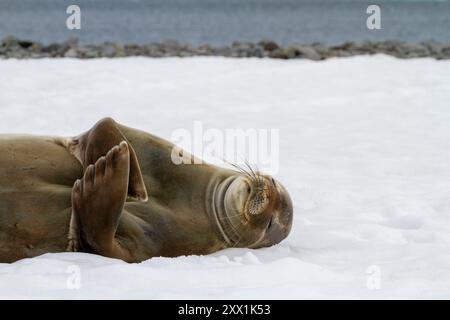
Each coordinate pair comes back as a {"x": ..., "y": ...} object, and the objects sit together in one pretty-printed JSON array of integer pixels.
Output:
[{"x": 220, "y": 22}]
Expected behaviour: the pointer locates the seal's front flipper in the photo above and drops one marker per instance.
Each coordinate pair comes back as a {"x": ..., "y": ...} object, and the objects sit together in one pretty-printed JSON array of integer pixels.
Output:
[
  {"x": 96, "y": 142},
  {"x": 97, "y": 203}
]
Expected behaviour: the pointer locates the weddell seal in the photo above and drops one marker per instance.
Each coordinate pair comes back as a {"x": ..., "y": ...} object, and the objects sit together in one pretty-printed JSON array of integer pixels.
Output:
[{"x": 114, "y": 191}]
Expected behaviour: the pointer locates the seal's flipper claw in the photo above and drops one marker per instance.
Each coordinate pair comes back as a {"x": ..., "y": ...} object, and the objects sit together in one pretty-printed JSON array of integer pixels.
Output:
[{"x": 96, "y": 142}]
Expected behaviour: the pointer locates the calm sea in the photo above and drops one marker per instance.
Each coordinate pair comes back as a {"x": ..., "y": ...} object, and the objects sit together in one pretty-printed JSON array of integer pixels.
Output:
[{"x": 221, "y": 22}]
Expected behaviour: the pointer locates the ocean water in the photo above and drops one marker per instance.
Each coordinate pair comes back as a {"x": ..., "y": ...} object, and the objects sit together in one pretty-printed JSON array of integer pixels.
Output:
[{"x": 220, "y": 22}]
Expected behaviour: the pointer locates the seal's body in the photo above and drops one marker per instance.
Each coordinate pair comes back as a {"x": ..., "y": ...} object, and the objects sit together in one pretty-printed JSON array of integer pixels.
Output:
[
  {"x": 115, "y": 191},
  {"x": 36, "y": 179}
]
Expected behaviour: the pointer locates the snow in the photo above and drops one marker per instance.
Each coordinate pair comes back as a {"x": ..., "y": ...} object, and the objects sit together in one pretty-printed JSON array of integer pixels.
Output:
[{"x": 364, "y": 152}]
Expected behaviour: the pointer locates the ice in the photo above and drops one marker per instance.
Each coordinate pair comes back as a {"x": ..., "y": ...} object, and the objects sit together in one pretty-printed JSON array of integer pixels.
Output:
[{"x": 364, "y": 152}]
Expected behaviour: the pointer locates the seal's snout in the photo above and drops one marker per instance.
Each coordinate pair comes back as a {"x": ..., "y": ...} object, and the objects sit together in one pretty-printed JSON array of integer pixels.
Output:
[{"x": 281, "y": 220}]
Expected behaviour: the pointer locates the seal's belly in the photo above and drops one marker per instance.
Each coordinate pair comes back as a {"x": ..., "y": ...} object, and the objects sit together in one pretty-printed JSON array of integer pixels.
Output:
[{"x": 36, "y": 178}]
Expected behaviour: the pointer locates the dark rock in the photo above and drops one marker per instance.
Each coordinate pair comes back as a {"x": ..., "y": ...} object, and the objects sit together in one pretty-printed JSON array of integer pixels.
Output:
[
  {"x": 17, "y": 54},
  {"x": 306, "y": 52},
  {"x": 60, "y": 49},
  {"x": 321, "y": 49},
  {"x": 391, "y": 47},
  {"x": 346, "y": 46},
  {"x": 170, "y": 48},
  {"x": 223, "y": 52},
  {"x": 434, "y": 48},
  {"x": 296, "y": 52},
  {"x": 268, "y": 45},
  {"x": 445, "y": 52},
  {"x": 51, "y": 48},
  {"x": 291, "y": 52},
  {"x": 414, "y": 50},
  {"x": 149, "y": 50},
  {"x": 71, "y": 53},
  {"x": 279, "y": 54},
  {"x": 25, "y": 44},
  {"x": 111, "y": 50},
  {"x": 204, "y": 50},
  {"x": 366, "y": 48},
  {"x": 132, "y": 50},
  {"x": 257, "y": 52},
  {"x": 88, "y": 52}
]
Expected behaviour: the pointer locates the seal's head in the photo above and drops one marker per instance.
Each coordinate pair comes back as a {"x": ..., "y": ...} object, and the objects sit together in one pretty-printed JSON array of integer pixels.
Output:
[{"x": 253, "y": 210}]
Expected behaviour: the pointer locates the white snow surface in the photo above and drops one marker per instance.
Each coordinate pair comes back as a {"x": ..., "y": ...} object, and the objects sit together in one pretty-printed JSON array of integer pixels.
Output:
[{"x": 364, "y": 152}]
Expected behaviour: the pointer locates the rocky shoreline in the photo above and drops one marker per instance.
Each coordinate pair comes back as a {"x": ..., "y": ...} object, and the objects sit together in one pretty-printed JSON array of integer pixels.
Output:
[{"x": 11, "y": 47}]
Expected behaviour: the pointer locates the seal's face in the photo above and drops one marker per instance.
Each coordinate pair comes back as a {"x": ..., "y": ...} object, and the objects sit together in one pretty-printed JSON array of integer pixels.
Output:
[{"x": 257, "y": 211}]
